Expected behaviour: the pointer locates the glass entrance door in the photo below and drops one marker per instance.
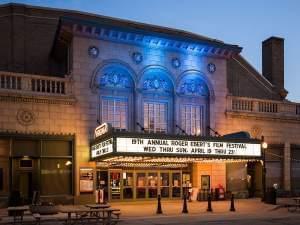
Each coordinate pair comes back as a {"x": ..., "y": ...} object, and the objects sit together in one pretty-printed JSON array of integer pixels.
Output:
[
  {"x": 141, "y": 185},
  {"x": 115, "y": 184},
  {"x": 102, "y": 183},
  {"x": 152, "y": 184},
  {"x": 176, "y": 184},
  {"x": 128, "y": 185},
  {"x": 164, "y": 184}
]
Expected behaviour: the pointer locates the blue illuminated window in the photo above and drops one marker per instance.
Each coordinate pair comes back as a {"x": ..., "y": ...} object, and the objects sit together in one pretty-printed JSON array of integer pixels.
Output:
[
  {"x": 193, "y": 119},
  {"x": 115, "y": 112},
  {"x": 155, "y": 117}
]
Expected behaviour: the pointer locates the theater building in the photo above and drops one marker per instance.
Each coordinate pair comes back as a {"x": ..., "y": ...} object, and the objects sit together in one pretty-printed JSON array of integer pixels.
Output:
[{"x": 89, "y": 102}]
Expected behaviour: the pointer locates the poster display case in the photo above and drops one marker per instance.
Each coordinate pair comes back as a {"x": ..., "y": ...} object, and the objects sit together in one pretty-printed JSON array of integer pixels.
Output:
[{"x": 86, "y": 182}]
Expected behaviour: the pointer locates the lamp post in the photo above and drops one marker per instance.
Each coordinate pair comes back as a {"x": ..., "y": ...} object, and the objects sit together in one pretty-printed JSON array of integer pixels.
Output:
[{"x": 264, "y": 146}]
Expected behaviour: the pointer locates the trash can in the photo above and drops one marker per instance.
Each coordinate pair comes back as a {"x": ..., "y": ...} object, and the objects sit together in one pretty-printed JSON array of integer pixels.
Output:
[
  {"x": 15, "y": 198},
  {"x": 271, "y": 196},
  {"x": 217, "y": 194}
]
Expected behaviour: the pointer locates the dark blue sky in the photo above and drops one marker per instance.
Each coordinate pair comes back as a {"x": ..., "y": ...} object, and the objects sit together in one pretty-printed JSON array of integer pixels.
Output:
[{"x": 245, "y": 23}]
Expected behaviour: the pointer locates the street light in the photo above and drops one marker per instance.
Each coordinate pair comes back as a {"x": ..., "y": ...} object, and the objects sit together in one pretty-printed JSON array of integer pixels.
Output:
[{"x": 264, "y": 146}]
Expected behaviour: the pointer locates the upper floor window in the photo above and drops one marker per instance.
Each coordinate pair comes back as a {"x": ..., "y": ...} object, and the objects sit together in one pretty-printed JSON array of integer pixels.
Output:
[
  {"x": 116, "y": 85},
  {"x": 193, "y": 119},
  {"x": 115, "y": 112},
  {"x": 155, "y": 117},
  {"x": 193, "y": 104}
]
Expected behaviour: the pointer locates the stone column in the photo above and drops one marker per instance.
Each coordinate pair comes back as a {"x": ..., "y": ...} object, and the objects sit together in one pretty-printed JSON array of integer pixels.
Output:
[{"x": 287, "y": 166}]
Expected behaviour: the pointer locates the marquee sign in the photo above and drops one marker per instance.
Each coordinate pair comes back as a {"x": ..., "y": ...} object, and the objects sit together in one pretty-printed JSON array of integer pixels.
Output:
[
  {"x": 102, "y": 129},
  {"x": 187, "y": 147},
  {"x": 102, "y": 148},
  {"x": 176, "y": 147}
]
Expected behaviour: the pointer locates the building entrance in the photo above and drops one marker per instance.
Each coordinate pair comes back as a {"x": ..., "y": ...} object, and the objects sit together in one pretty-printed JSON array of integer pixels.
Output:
[
  {"x": 141, "y": 184},
  {"x": 26, "y": 186}
]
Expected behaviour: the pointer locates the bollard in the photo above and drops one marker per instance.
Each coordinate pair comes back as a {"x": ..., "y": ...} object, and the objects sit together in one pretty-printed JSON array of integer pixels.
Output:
[
  {"x": 159, "y": 210},
  {"x": 232, "y": 209},
  {"x": 209, "y": 208},
  {"x": 184, "y": 209}
]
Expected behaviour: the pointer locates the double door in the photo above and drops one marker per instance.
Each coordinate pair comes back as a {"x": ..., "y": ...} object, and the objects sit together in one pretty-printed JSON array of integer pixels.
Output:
[{"x": 144, "y": 184}]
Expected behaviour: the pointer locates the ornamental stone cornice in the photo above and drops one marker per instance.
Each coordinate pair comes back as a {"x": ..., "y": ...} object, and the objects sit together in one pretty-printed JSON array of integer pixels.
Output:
[
  {"x": 48, "y": 135},
  {"x": 4, "y": 97},
  {"x": 144, "y": 35}
]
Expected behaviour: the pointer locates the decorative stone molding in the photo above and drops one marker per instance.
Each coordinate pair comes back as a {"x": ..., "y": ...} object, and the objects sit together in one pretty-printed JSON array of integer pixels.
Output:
[
  {"x": 38, "y": 99},
  {"x": 115, "y": 79},
  {"x": 193, "y": 87},
  {"x": 156, "y": 79},
  {"x": 25, "y": 117},
  {"x": 256, "y": 131},
  {"x": 193, "y": 43},
  {"x": 112, "y": 74},
  {"x": 155, "y": 83},
  {"x": 263, "y": 116},
  {"x": 196, "y": 84}
]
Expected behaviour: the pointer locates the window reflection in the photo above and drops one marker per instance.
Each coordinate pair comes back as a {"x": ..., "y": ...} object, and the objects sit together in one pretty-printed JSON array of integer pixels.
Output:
[
  {"x": 192, "y": 119},
  {"x": 155, "y": 117},
  {"x": 115, "y": 112}
]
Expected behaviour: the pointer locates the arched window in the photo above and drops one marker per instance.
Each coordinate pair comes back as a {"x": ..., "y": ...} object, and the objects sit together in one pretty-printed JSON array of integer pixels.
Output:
[
  {"x": 193, "y": 104},
  {"x": 116, "y": 86},
  {"x": 156, "y": 104}
]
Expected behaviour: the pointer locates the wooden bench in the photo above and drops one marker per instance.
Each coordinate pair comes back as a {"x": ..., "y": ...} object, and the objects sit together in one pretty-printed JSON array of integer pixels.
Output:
[
  {"x": 293, "y": 207},
  {"x": 92, "y": 216},
  {"x": 27, "y": 220}
]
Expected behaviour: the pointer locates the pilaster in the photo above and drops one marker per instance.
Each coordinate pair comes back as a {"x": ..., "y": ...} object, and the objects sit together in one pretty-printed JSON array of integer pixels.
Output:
[{"x": 287, "y": 167}]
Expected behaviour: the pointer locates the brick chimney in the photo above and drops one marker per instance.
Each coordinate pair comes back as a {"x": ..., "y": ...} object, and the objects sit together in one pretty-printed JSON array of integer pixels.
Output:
[{"x": 273, "y": 63}]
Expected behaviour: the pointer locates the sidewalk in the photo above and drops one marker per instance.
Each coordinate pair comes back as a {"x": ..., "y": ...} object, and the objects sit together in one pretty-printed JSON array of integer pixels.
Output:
[
  {"x": 171, "y": 208},
  {"x": 144, "y": 212},
  {"x": 251, "y": 210}
]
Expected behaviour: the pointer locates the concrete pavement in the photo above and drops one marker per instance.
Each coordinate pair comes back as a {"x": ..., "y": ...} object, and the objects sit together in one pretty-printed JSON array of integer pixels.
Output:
[{"x": 248, "y": 212}]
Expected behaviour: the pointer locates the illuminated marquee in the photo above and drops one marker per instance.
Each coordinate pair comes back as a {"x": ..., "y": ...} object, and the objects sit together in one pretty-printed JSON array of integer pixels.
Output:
[
  {"x": 186, "y": 147},
  {"x": 102, "y": 148},
  {"x": 102, "y": 129}
]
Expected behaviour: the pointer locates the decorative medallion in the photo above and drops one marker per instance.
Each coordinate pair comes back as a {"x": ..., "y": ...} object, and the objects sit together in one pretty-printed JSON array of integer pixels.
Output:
[
  {"x": 25, "y": 117},
  {"x": 93, "y": 51},
  {"x": 256, "y": 131},
  {"x": 137, "y": 57},
  {"x": 211, "y": 67},
  {"x": 176, "y": 63}
]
